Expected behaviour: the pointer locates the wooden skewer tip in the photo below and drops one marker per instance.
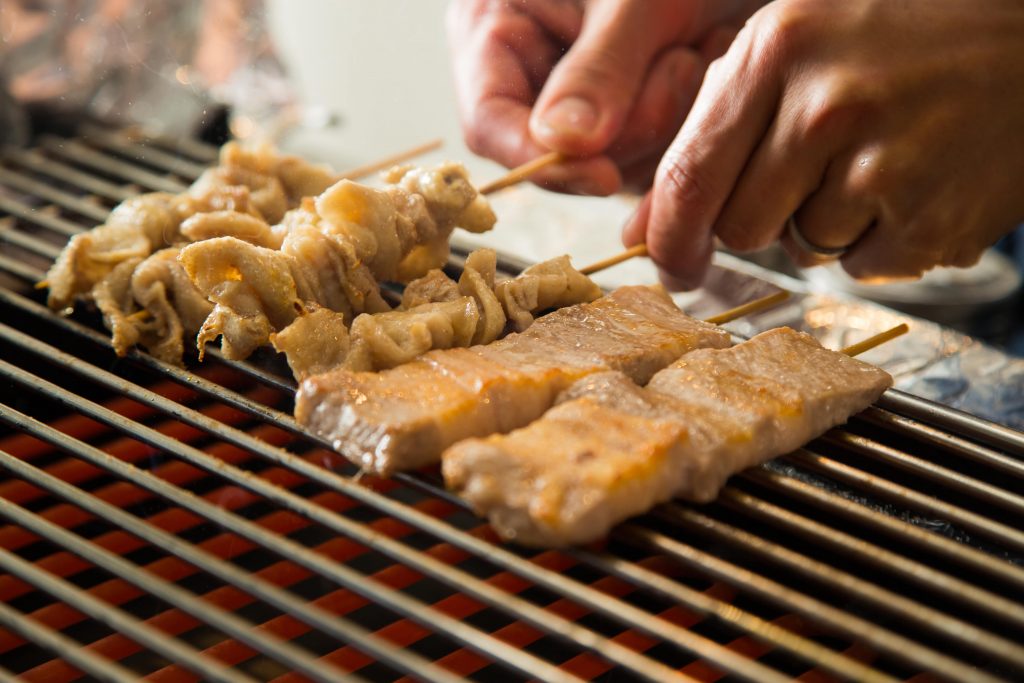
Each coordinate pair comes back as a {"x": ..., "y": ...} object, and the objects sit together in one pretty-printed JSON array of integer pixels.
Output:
[
  {"x": 388, "y": 162},
  {"x": 632, "y": 252},
  {"x": 877, "y": 340},
  {"x": 749, "y": 308},
  {"x": 521, "y": 173}
]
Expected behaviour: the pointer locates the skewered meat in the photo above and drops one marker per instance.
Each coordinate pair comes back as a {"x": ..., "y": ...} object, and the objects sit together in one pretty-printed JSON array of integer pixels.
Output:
[
  {"x": 316, "y": 342},
  {"x": 156, "y": 287},
  {"x": 437, "y": 313},
  {"x": 275, "y": 183},
  {"x": 404, "y": 417},
  {"x": 246, "y": 189},
  {"x": 709, "y": 415},
  {"x": 244, "y": 226},
  {"x": 550, "y": 284},
  {"x": 135, "y": 229},
  {"x": 332, "y": 255}
]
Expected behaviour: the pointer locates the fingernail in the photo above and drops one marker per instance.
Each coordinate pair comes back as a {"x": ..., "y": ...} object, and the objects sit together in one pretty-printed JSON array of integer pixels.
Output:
[{"x": 571, "y": 115}]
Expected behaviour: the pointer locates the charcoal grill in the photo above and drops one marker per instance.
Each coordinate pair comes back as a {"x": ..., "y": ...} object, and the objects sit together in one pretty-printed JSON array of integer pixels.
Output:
[{"x": 178, "y": 524}]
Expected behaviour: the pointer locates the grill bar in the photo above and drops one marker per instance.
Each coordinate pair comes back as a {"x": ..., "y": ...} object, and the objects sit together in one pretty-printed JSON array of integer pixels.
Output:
[
  {"x": 284, "y": 547},
  {"x": 950, "y": 587},
  {"x": 774, "y": 571},
  {"x": 883, "y": 639},
  {"x": 108, "y": 164},
  {"x": 903, "y": 494},
  {"x": 681, "y": 637},
  {"x": 930, "y": 471},
  {"x": 279, "y": 598},
  {"x": 953, "y": 629},
  {"x": 115, "y": 619},
  {"x": 480, "y": 590},
  {"x": 88, "y": 662},
  {"x": 954, "y": 421},
  {"x": 950, "y": 550},
  {"x": 780, "y": 637},
  {"x": 80, "y": 206},
  {"x": 44, "y": 220},
  {"x": 148, "y": 154},
  {"x": 34, "y": 161}
]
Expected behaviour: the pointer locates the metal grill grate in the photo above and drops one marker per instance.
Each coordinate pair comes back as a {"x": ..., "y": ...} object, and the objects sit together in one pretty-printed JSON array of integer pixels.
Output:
[{"x": 179, "y": 524}]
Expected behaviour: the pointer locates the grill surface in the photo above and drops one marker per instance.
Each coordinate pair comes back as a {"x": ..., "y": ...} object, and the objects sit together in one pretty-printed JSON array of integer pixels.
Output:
[{"x": 178, "y": 524}]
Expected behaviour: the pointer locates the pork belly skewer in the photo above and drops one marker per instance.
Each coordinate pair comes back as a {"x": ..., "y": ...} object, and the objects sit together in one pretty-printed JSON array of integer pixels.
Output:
[
  {"x": 611, "y": 449},
  {"x": 403, "y": 418}
]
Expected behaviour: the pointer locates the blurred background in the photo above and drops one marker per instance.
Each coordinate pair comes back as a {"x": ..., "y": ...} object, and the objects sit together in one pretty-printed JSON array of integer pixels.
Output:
[{"x": 350, "y": 81}]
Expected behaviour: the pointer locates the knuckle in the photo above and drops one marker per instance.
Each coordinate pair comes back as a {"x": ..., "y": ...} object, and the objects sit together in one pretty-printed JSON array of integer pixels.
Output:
[
  {"x": 784, "y": 29},
  {"x": 684, "y": 179},
  {"x": 834, "y": 106}
]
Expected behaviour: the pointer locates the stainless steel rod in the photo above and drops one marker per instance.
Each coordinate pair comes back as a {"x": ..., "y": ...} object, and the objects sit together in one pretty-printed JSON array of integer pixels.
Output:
[
  {"x": 806, "y": 649},
  {"x": 40, "y": 217},
  {"x": 1003, "y": 438},
  {"x": 939, "y": 623},
  {"x": 82, "y": 154},
  {"x": 961, "y": 483},
  {"x": 27, "y": 241},
  {"x": 948, "y": 549},
  {"x": 151, "y": 156},
  {"x": 34, "y": 161},
  {"x": 467, "y": 583},
  {"x": 119, "y": 621},
  {"x": 946, "y": 441},
  {"x": 67, "y": 649},
  {"x": 994, "y": 530},
  {"x": 316, "y": 617},
  {"x": 853, "y": 626},
  {"x": 372, "y": 590},
  {"x": 75, "y": 203}
]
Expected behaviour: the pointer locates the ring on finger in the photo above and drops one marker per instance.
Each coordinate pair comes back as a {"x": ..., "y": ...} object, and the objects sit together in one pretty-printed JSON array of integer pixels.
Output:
[{"x": 809, "y": 246}]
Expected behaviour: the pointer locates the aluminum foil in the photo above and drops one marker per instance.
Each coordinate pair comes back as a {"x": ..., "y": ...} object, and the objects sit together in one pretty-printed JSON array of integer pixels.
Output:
[
  {"x": 930, "y": 361},
  {"x": 167, "y": 65}
]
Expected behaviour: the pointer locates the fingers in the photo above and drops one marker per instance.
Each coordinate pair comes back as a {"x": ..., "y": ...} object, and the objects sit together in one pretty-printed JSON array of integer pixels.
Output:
[
  {"x": 734, "y": 109},
  {"x": 837, "y": 214},
  {"x": 661, "y": 106},
  {"x": 508, "y": 142},
  {"x": 632, "y": 232},
  {"x": 587, "y": 99},
  {"x": 499, "y": 53}
]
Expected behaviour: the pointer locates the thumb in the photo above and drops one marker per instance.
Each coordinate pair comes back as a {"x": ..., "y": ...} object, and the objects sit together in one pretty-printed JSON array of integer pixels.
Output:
[{"x": 587, "y": 98}]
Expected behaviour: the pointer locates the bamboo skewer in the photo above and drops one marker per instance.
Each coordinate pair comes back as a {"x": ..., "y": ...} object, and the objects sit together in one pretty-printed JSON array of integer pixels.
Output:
[
  {"x": 637, "y": 250},
  {"x": 388, "y": 162},
  {"x": 748, "y": 308},
  {"x": 877, "y": 340},
  {"x": 521, "y": 173}
]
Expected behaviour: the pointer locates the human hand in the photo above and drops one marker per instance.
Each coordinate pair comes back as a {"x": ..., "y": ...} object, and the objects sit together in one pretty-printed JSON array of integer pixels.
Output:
[
  {"x": 895, "y": 129},
  {"x": 606, "y": 82}
]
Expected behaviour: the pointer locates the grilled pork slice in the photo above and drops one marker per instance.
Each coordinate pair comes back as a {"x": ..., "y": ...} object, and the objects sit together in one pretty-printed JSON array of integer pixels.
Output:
[
  {"x": 611, "y": 449},
  {"x": 404, "y": 417}
]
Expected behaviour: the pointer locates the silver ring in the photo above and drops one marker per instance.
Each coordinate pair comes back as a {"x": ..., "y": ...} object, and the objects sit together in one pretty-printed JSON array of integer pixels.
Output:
[{"x": 810, "y": 247}]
